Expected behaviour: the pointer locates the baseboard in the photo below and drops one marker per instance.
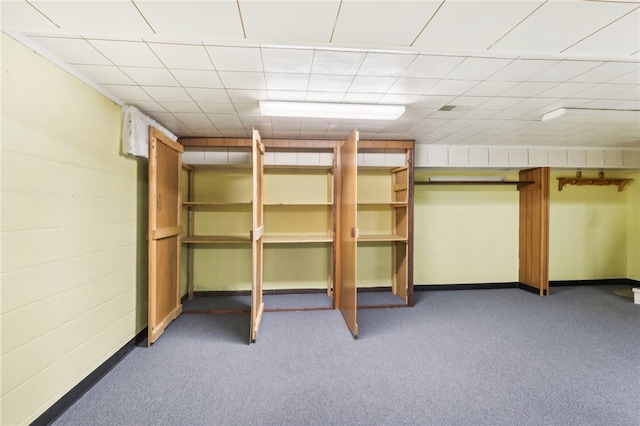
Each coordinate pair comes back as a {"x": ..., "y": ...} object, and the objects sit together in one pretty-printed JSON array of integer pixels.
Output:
[
  {"x": 88, "y": 382},
  {"x": 608, "y": 281},
  {"x": 491, "y": 286},
  {"x": 479, "y": 286}
]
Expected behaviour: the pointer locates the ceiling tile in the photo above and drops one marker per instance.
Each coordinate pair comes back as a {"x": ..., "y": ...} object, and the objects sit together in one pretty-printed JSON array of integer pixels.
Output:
[
  {"x": 176, "y": 107},
  {"x": 20, "y": 15},
  {"x": 630, "y": 78},
  {"x": 608, "y": 71},
  {"x": 104, "y": 74},
  {"x": 225, "y": 120},
  {"x": 367, "y": 22},
  {"x": 477, "y": 68},
  {"x": 287, "y": 95},
  {"x": 491, "y": 88},
  {"x": 529, "y": 88},
  {"x": 429, "y": 66},
  {"x": 127, "y": 92},
  {"x": 286, "y": 20},
  {"x": 329, "y": 83},
  {"x": 246, "y": 95},
  {"x": 362, "y": 98},
  {"x": 365, "y": 84},
  {"x": 112, "y": 17},
  {"x": 286, "y": 81},
  {"x": 398, "y": 99},
  {"x": 325, "y": 96},
  {"x": 385, "y": 64},
  {"x": 500, "y": 103},
  {"x": 565, "y": 71},
  {"x": 150, "y": 76},
  {"x": 412, "y": 85},
  {"x": 197, "y": 78},
  {"x": 624, "y": 31},
  {"x": 72, "y": 50},
  {"x": 631, "y": 93},
  {"x": 242, "y": 80},
  {"x": 451, "y": 87},
  {"x": 213, "y": 19},
  {"x": 566, "y": 90},
  {"x": 521, "y": 70},
  {"x": 236, "y": 58},
  {"x": 182, "y": 56},
  {"x": 169, "y": 94},
  {"x": 337, "y": 62},
  {"x": 432, "y": 101},
  {"x": 127, "y": 53},
  {"x": 555, "y": 26},
  {"x": 287, "y": 60},
  {"x": 147, "y": 107},
  {"x": 216, "y": 107},
  {"x": 193, "y": 119},
  {"x": 604, "y": 90},
  {"x": 208, "y": 95},
  {"x": 468, "y": 25}
]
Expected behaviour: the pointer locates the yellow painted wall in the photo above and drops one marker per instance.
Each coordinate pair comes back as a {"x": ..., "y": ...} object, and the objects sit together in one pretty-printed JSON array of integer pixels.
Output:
[
  {"x": 469, "y": 234},
  {"x": 633, "y": 226},
  {"x": 465, "y": 234},
  {"x": 221, "y": 267},
  {"x": 588, "y": 230},
  {"x": 73, "y": 234}
]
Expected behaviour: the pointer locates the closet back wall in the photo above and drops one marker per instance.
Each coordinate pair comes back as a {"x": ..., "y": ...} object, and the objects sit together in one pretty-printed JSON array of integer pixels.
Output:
[
  {"x": 74, "y": 265},
  {"x": 465, "y": 234}
]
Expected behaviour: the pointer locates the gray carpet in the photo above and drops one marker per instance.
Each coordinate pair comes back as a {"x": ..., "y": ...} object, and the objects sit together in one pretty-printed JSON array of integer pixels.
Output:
[{"x": 492, "y": 357}]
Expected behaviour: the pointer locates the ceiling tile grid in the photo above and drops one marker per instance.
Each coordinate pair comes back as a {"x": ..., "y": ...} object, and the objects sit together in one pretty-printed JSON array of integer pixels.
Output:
[{"x": 200, "y": 68}]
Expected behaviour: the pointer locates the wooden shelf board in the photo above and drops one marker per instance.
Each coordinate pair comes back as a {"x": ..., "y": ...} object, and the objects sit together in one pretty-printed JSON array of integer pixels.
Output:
[
  {"x": 387, "y": 237},
  {"x": 599, "y": 181},
  {"x": 211, "y": 239},
  {"x": 477, "y": 182},
  {"x": 328, "y": 203},
  {"x": 385, "y": 203},
  {"x": 298, "y": 239},
  {"x": 213, "y": 204}
]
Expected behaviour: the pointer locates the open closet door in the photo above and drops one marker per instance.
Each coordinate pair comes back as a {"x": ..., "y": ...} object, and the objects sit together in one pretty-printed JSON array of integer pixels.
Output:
[
  {"x": 165, "y": 165},
  {"x": 348, "y": 232},
  {"x": 534, "y": 230},
  {"x": 257, "y": 234}
]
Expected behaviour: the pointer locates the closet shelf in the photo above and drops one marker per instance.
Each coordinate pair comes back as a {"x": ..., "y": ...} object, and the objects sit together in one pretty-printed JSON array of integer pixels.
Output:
[
  {"x": 384, "y": 203},
  {"x": 600, "y": 181},
  {"x": 213, "y": 204},
  {"x": 389, "y": 237},
  {"x": 213, "y": 239},
  {"x": 287, "y": 239},
  {"x": 475, "y": 182},
  {"x": 327, "y": 203}
]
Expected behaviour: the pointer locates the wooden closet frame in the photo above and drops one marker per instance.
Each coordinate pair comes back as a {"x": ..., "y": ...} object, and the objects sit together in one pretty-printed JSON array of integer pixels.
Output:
[{"x": 402, "y": 277}]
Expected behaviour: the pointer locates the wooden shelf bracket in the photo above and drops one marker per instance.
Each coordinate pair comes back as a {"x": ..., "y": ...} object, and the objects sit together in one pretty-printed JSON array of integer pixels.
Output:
[{"x": 600, "y": 180}]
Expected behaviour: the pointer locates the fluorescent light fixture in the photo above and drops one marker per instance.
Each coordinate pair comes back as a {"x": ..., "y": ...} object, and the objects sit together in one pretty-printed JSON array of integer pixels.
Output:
[
  {"x": 554, "y": 114},
  {"x": 594, "y": 115},
  {"x": 331, "y": 110}
]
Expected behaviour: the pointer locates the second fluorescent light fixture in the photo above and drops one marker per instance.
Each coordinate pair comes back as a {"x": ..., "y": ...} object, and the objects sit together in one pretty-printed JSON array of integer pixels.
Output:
[
  {"x": 331, "y": 110},
  {"x": 554, "y": 114}
]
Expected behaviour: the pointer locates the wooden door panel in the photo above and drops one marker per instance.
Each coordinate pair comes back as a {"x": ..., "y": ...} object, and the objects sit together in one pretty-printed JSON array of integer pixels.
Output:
[
  {"x": 348, "y": 232},
  {"x": 257, "y": 234},
  {"x": 165, "y": 164},
  {"x": 534, "y": 230}
]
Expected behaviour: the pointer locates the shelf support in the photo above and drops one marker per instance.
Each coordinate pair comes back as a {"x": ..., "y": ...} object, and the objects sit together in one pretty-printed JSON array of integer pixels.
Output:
[{"x": 600, "y": 181}]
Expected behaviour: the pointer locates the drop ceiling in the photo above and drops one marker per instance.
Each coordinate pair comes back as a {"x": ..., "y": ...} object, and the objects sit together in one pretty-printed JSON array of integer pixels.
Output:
[{"x": 468, "y": 72}]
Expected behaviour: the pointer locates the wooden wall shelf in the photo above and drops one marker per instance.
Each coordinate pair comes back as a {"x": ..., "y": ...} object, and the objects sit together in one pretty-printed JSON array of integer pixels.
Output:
[
  {"x": 600, "y": 180},
  {"x": 474, "y": 182}
]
